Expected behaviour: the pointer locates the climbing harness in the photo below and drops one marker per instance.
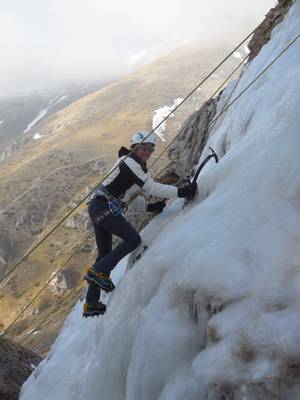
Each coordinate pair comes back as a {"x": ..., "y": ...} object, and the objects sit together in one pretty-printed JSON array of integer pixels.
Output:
[{"x": 114, "y": 204}]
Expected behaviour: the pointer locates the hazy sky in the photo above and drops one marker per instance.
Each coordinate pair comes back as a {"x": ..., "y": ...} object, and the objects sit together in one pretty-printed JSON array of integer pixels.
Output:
[{"x": 48, "y": 41}]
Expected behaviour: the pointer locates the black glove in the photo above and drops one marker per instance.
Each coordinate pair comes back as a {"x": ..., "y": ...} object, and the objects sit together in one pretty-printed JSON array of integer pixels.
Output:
[
  {"x": 188, "y": 190},
  {"x": 156, "y": 207}
]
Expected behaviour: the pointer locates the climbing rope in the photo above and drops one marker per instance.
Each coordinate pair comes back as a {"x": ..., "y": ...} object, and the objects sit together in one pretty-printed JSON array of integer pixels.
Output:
[
  {"x": 209, "y": 99},
  {"x": 217, "y": 90},
  {"x": 257, "y": 77},
  {"x": 62, "y": 220},
  {"x": 211, "y": 126},
  {"x": 211, "y": 123},
  {"x": 225, "y": 106}
]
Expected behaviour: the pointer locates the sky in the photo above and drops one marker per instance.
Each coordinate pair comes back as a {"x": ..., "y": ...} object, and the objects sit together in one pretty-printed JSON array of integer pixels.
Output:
[{"x": 47, "y": 42}]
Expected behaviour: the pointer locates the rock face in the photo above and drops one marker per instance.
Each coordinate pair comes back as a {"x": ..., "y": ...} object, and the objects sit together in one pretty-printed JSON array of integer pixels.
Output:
[
  {"x": 64, "y": 281},
  {"x": 192, "y": 137},
  {"x": 16, "y": 364},
  {"x": 263, "y": 32}
]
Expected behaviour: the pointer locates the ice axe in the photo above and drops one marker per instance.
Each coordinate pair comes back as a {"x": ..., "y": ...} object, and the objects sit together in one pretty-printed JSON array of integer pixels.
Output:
[
  {"x": 204, "y": 162},
  {"x": 199, "y": 169}
]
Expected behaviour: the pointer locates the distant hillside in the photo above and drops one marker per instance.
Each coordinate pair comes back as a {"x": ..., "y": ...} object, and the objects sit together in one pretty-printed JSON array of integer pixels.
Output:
[{"x": 20, "y": 113}]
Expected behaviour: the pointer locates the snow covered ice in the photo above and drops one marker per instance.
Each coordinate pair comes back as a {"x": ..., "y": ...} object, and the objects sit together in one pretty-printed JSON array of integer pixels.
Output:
[{"x": 214, "y": 301}]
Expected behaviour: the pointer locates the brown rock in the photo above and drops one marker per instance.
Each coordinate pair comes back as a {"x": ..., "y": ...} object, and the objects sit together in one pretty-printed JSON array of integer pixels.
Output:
[
  {"x": 263, "y": 32},
  {"x": 16, "y": 364}
]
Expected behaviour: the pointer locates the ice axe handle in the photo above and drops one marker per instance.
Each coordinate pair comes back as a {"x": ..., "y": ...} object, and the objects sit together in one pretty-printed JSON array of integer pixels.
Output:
[
  {"x": 204, "y": 162},
  {"x": 214, "y": 154}
]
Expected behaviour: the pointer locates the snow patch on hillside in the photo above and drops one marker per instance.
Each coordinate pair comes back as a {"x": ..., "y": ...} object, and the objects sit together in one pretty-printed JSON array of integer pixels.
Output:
[
  {"x": 36, "y": 120},
  {"x": 137, "y": 57},
  {"x": 58, "y": 99},
  {"x": 160, "y": 114},
  {"x": 238, "y": 55},
  {"x": 213, "y": 305},
  {"x": 52, "y": 103},
  {"x": 37, "y": 136}
]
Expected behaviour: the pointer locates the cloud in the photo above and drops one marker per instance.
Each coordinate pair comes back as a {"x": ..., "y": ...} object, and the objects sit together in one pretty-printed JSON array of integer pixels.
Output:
[{"x": 51, "y": 41}]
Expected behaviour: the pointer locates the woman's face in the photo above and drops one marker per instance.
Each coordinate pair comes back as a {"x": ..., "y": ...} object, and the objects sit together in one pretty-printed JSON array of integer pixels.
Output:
[{"x": 144, "y": 151}]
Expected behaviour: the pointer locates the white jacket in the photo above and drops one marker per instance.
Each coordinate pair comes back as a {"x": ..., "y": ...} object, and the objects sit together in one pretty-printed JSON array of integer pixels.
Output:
[{"x": 130, "y": 176}]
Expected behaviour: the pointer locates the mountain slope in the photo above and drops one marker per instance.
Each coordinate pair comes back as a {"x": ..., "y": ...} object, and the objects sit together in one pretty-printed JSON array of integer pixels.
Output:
[
  {"x": 211, "y": 311},
  {"x": 19, "y": 114}
]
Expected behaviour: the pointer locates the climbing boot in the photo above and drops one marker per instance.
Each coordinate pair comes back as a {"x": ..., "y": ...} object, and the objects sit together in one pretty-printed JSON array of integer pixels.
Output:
[
  {"x": 101, "y": 279},
  {"x": 93, "y": 310}
]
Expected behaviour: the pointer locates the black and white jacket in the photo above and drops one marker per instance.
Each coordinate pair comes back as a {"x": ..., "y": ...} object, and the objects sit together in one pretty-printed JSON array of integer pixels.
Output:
[{"x": 130, "y": 175}]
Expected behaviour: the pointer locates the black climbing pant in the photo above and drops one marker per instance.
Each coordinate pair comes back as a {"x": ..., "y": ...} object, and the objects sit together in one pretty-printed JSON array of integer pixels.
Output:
[{"x": 107, "y": 258}]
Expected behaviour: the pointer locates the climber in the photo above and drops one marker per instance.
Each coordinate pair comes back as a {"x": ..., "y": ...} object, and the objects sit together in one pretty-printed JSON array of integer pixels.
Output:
[{"x": 128, "y": 177}]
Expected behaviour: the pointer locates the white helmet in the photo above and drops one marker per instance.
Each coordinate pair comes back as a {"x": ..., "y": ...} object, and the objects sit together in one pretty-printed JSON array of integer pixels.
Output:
[{"x": 143, "y": 136}]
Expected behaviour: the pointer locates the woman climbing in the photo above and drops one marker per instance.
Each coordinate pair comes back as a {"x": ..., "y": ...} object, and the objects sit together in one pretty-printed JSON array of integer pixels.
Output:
[{"x": 128, "y": 177}]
